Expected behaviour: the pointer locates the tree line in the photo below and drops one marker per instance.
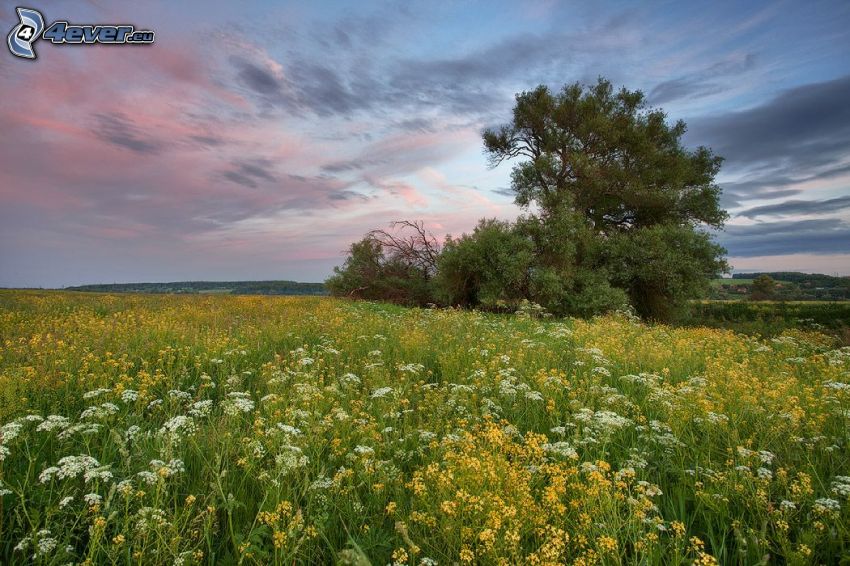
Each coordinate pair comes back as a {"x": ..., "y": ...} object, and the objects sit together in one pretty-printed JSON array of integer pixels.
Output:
[{"x": 615, "y": 211}]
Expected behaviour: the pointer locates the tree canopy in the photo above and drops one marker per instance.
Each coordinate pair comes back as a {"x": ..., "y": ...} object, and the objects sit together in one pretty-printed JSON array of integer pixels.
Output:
[
  {"x": 616, "y": 212},
  {"x": 609, "y": 156}
]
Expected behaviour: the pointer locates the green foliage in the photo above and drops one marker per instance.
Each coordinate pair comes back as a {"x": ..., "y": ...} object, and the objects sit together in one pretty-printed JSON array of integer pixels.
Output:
[
  {"x": 618, "y": 161},
  {"x": 615, "y": 210},
  {"x": 663, "y": 266},
  {"x": 789, "y": 286},
  {"x": 369, "y": 273},
  {"x": 192, "y": 429},
  {"x": 763, "y": 288},
  {"x": 608, "y": 157},
  {"x": 489, "y": 267},
  {"x": 543, "y": 261},
  {"x": 770, "y": 318}
]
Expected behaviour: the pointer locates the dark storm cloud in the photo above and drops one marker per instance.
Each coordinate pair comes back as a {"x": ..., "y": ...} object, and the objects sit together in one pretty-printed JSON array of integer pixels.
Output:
[
  {"x": 793, "y": 207},
  {"x": 677, "y": 89},
  {"x": 821, "y": 236},
  {"x": 473, "y": 83},
  {"x": 416, "y": 125},
  {"x": 308, "y": 87},
  {"x": 117, "y": 129},
  {"x": 240, "y": 179}
]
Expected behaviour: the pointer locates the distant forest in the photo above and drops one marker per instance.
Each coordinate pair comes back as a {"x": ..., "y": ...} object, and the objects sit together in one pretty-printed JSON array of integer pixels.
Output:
[
  {"x": 217, "y": 287},
  {"x": 790, "y": 286}
]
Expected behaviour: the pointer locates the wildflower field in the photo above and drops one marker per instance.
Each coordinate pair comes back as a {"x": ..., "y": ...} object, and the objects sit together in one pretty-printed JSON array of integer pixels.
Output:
[{"x": 268, "y": 430}]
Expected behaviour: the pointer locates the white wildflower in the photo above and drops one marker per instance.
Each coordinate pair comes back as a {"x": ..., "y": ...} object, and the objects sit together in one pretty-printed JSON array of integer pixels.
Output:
[
  {"x": 237, "y": 402},
  {"x": 561, "y": 449},
  {"x": 95, "y": 393},
  {"x": 178, "y": 427},
  {"x": 201, "y": 409},
  {"x": 92, "y": 499},
  {"x": 99, "y": 411},
  {"x": 381, "y": 392},
  {"x": 53, "y": 422},
  {"x": 129, "y": 395}
]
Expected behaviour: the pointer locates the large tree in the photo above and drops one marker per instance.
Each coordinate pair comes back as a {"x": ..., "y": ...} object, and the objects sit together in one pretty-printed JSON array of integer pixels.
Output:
[{"x": 609, "y": 157}]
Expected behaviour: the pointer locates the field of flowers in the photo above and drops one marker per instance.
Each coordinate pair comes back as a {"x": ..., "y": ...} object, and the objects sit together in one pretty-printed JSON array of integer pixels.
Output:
[{"x": 268, "y": 430}]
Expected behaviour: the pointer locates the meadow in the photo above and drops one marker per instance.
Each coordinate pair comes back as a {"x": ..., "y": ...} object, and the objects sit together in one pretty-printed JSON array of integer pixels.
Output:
[
  {"x": 193, "y": 429},
  {"x": 771, "y": 318}
]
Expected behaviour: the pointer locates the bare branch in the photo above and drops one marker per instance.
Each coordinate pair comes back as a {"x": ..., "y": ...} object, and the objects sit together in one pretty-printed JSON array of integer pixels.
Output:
[{"x": 410, "y": 242}]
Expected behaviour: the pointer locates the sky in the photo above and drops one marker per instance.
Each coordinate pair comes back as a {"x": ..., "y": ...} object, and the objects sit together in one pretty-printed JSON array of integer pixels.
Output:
[{"x": 257, "y": 140}]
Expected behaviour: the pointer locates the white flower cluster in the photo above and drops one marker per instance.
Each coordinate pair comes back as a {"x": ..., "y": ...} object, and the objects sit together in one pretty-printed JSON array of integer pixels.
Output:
[
  {"x": 841, "y": 486},
  {"x": 290, "y": 458},
  {"x": 95, "y": 393},
  {"x": 45, "y": 544},
  {"x": 602, "y": 423},
  {"x": 53, "y": 422},
  {"x": 86, "y": 429},
  {"x": 237, "y": 402},
  {"x": 92, "y": 499},
  {"x": 71, "y": 467},
  {"x": 98, "y": 412},
  {"x": 179, "y": 395},
  {"x": 381, "y": 392},
  {"x": 129, "y": 395},
  {"x": 349, "y": 379},
  {"x": 201, "y": 409},
  {"x": 826, "y": 505},
  {"x": 178, "y": 428},
  {"x": 150, "y": 518},
  {"x": 166, "y": 470},
  {"x": 561, "y": 449}
]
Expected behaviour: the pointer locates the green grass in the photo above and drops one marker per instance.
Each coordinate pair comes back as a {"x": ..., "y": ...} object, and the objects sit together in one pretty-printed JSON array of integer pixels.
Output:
[
  {"x": 216, "y": 429},
  {"x": 729, "y": 281},
  {"x": 770, "y": 318}
]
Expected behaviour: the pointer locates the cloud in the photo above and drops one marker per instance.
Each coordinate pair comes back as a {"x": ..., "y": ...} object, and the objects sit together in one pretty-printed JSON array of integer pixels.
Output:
[
  {"x": 701, "y": 83},
  {"x": 351, "y": 165},
  {"x": 206, "y": 140},
  {"x": 781, "y": 148},
  {"x": 257, "y": 79},
  {"x": 477, "y": 82},
  {"x": 117, "y": 129},
  {"x": 769, "y": 186},
  {"x": 307, "y": 86},
  {"x": 819, "y": 236},
  {"x": 796, "y": 207},
  {"x": 348, "y": 195},
  {"x": 802, "y": 129},
  {"x": 204, "y": 158}
]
